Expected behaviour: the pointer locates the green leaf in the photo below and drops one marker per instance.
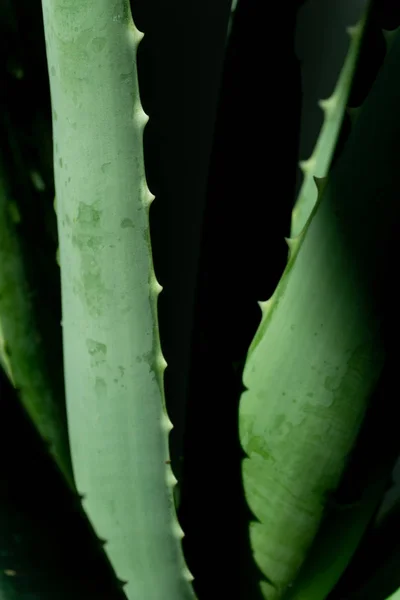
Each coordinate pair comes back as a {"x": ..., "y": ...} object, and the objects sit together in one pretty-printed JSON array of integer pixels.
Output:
[
  {"x": 113, "y": 361},
  {"x": 319, "y": 351}
]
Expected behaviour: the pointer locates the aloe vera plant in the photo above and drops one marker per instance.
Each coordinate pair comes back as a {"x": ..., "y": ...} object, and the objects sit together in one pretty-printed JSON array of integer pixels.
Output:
[{"x": 311, "y": 369}]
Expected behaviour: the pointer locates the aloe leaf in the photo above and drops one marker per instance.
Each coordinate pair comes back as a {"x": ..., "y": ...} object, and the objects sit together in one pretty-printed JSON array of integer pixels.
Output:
[
  {"x": 21, "y": 349},
  {"x": 319, "y": 351},
  {"x": 113, "y": 361},
  {"x": 334, "y": 109}
]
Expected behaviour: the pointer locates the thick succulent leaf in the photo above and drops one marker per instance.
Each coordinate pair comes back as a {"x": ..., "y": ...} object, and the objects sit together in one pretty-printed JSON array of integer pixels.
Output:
[
  {"x": 113, "y": 361},
  {"x": 319, "y": 350}
]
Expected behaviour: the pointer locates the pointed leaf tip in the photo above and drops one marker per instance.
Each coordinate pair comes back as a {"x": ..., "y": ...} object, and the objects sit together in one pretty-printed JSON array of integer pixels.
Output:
[
  {"x": 264, "y": 306},
  {"x": 354, "y": 30},
  {"x": 293, "y": 244},
  {"x": 102, "y": 541},
  {"x": 289, "y": 242},
  {"x": 307, "y": 166},
  {"x": 187, "y": 574},
  {"x": 328, "y": 104}
]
